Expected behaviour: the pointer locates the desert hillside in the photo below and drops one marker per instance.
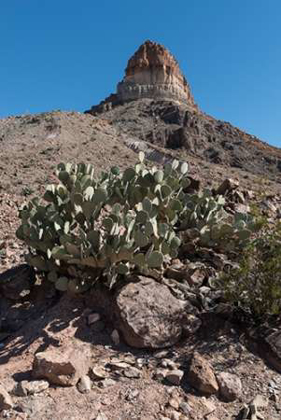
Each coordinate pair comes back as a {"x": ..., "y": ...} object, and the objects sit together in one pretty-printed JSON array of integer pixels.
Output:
[{"x": 164, "y": 343}]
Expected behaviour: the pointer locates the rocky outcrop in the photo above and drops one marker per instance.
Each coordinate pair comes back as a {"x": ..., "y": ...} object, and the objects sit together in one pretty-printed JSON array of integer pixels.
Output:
[{"x": 152, "y": 72}]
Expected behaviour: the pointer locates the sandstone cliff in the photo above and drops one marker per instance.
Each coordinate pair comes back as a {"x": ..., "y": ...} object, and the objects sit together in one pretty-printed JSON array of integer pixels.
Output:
[{"x": 152, "y": 72}]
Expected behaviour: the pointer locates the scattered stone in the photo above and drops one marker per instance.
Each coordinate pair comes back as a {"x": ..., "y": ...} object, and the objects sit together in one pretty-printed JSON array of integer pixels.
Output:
[
  {"x": 149, "y": 316},
  {"x": 115, "y": 337},
  {"x": 160, "y": 354},
  {"x": 6, "y": 401},
  {"x": 106, "y": 383},
  {"x": 201, "y": 375},
  {"x": 132, "y": 373},
  {"x": 132, "y": 394},
  {"x": 98, "y": 372},
  {"x": 228, "y": 184},
  {"x": 174, "y": 402},
  {"x": 25, "y": 388},
  {"x": 208, "y": 406},
  {"x": 167, "y": 363},
  {"x": 84, "y": 385},
  {"x": 184, "y": 407},
  {"x": 175, "y": 415},
  {"x": 174, "y": 376},
  {"x": 101, "y": 416},
  {"x": 60, "y": 366},
  {"x": 230, "y": 386},
  {"x": 92, "y": 318},
  {"x": 160, "y": 374}
]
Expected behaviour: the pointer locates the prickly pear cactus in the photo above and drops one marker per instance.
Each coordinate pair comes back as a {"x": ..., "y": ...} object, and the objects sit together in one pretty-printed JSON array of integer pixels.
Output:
[{"x": 88, "y": 227}]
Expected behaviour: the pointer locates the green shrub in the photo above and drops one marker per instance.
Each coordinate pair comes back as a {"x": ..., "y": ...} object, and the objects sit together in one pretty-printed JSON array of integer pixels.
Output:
[
  {"x": 92, "y": 228},
  {"x": 256, "y": 285}
]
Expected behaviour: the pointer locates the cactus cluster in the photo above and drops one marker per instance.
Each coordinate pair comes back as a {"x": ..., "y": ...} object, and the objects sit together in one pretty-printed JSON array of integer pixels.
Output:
[
  {"x": 205, "y": 220},
  {"x": 108, "y": 225},
  {"x": 87, "y": 228}
]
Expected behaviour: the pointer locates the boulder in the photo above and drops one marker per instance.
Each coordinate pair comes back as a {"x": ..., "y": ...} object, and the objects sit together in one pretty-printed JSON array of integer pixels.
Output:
[
  {"x": 61, "y": 366},
  {"x": 148, "y": 315}
]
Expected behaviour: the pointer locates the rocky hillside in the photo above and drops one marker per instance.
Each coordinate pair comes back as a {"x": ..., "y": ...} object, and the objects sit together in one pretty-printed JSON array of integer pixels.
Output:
[
  {"x": 170, "y": 349},
  {"x": 154, "y": 104}
]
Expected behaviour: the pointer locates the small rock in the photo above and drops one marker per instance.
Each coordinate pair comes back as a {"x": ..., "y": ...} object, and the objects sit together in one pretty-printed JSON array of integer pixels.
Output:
[
  {"x": 230, "y": 386},
  {"x": 98, "y": 372},
  {"x": 184, "y": 407},
  {"x": 160, "y": 354},
  {"x": 132, "y": 394},
  {"x": 25, "y": 388},
  {"x": 115, "y": 337},
  {"x": 101, "y": 416},
  {"x": 175, "y": 415},
  {"x": 106, "y": 383},
  {"x": 92, "y": 318},
  {"x": 132, "y": 373},
  {"x": 174, "y": 402},
  {"x": 208, "y": 406},
  {"x": 6, "y": 401},
  {"x": 84, "y": 385},
  {"x": 228, "y": 184},
  {"x": 201, "y": 375},
  {"x": 160, "y": 374},
  {"x": 167, "y": 363},
  {"x": 174, "y": 376}
]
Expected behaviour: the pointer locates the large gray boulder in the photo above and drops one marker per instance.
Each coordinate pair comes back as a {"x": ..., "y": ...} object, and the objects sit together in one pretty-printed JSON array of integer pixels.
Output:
[{"x": 148, "y": 314}]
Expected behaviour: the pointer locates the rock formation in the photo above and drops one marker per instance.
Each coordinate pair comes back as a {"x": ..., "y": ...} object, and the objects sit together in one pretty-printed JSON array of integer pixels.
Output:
[{"x": 152, "y": 72}]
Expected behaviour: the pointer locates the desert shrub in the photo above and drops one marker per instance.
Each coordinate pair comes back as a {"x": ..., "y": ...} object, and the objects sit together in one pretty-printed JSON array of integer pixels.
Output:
[
  {"x": 255, "y": 286},
  {"x": 90, "y": 228}
]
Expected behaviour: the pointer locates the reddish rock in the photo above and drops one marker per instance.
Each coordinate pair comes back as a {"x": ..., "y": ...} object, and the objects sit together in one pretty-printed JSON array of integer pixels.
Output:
[
  {"x": 152, "y": 72},
  {"x": 201, "y": 375}
]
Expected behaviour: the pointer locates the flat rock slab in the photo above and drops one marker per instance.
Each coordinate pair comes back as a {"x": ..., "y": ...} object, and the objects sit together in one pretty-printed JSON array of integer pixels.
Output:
[{"x": 148, "y": 315}]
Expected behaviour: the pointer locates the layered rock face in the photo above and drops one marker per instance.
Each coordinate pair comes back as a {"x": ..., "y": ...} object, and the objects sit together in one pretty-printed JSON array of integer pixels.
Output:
[{"x": 152, "y": 72}]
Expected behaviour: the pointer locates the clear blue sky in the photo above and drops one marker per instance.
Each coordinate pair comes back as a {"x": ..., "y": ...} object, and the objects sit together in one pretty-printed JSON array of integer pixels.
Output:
[{"x": 70, "y": 54}]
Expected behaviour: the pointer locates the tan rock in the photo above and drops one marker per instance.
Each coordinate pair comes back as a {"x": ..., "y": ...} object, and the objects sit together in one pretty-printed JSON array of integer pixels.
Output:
[
  {"x": 25, "y": 388},
  {"x": 6, "y": 401},
  {"x": 152, "y": 72},
  {"x": 201, "y": 375},
  {"x": 61, "y": 366}
]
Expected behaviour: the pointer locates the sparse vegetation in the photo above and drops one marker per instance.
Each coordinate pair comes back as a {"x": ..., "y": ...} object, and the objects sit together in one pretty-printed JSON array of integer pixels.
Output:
[
  {"x": 117, "y": 223},
  {"x": 256, "y": 285}
]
